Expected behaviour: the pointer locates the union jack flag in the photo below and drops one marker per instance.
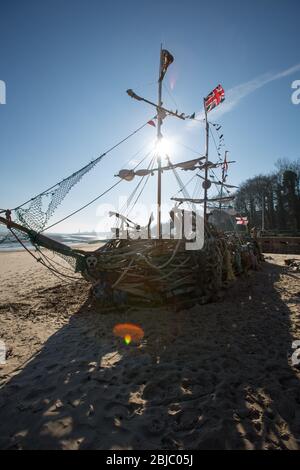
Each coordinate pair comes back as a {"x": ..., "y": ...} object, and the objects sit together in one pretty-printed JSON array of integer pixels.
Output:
[{"x": 216, "y": 97}]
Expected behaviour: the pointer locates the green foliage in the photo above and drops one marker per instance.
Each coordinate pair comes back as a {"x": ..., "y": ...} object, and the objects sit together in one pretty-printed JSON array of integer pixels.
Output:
[{"x": 276, "y": 196}]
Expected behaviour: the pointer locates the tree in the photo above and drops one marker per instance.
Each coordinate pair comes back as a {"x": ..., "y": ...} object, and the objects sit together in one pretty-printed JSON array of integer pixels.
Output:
[{"x": 276, "y": 195}]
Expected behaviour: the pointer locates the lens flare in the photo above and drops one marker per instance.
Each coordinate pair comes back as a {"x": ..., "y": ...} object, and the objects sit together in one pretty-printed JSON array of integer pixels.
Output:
[
  {"x": 127, "y": 339},
  {"x": 129, "y": 332},
  {"x": 164, "y": 146}
]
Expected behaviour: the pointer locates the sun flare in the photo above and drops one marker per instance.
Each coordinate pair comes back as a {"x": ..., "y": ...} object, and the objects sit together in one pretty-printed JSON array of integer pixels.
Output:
[{"x": 164, "y": 146}]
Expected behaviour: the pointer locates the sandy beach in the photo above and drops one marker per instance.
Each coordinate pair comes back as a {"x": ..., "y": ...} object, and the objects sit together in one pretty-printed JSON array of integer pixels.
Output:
[{"x": 217, "y": 376}]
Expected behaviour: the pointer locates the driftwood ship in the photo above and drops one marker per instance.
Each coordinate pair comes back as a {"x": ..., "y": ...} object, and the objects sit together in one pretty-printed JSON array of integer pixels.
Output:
[{"x": 136, "y": 267}]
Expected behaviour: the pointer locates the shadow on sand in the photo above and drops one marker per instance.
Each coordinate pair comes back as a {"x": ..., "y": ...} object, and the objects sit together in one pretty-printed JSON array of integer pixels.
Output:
[{"x": 217, "y": 376}]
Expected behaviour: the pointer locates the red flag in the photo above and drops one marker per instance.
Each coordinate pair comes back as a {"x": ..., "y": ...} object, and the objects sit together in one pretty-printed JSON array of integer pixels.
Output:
[
  {"x": 151, "y": 123},
  {"x": 216, "y": 97},
  {"x": 242, "y": 220}
]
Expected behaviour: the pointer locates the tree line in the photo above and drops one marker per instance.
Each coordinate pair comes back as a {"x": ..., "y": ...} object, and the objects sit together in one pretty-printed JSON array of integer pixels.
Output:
[{"x": 272, "y": 200}]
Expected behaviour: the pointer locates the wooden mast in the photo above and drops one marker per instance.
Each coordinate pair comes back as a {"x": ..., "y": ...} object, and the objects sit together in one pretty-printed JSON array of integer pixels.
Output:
[
  {"x": 263, "y": 214},
  {"x": 206, "y": 161},
  {"x": 159, "y": 137},
  {"x": 221, "y": 192}
]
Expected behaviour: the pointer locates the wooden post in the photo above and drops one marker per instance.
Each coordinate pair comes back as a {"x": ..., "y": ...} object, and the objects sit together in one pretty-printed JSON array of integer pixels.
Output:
[
  {"x": 221, "y": 195},
  {"x": 159, "y": 136},
  {"x": 263, "y": 214},
  {"x": 223, "y": 178}
]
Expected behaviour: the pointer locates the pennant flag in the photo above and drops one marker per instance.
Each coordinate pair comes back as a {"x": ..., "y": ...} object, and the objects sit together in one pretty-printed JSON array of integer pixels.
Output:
[
  {"x": 242, "y": 220},
  {"x": 216, "y": 97},
  {"x": 166, "y": 60},
  {"x": 192, "y": 116},
  {"x": 151, "y": 123},
  {"x": 218, "y": 128}
]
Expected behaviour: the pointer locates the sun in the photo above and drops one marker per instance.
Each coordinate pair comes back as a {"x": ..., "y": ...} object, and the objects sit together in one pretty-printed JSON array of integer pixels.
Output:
[{"x": 163, "y": 146}]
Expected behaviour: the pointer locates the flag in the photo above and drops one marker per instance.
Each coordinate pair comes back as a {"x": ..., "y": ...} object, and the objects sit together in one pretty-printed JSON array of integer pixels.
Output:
[
  {"x": 216, "y": 97},
  {"x": 242, "y": 220},
  {"x": 151, "y": 123},
  {"x": 166, "y": 60}
]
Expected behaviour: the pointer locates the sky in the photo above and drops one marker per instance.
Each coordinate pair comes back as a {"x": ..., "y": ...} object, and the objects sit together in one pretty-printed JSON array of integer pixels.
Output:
[{"x": 67, "y": 65}]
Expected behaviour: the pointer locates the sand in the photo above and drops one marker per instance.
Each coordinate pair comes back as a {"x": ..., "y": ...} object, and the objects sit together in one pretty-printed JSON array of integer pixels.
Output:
[{"x": 217, "y": 376}]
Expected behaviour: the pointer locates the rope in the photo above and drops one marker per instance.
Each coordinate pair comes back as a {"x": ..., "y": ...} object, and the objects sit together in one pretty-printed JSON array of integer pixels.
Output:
[
  {"x": 150, "y": 166},
  {"x": 93, "y": 162},
  {"x": 170, "y": 95},
  {"x": 93, "y": 200},
  {"x": 83, "y": 207},
  {"x": 39, "y": 260},
  {"x": 189, "y": 148},
  {"x": 123, "y": 274},
  {"x": 166, "y": 263},
  {"x": 218, "y": 152},
  {"x": 52, "y": 260},
  {"x": 55, "y": 269},
  {"x": 182, "y": 189},
  {"x": 126, "y": 205}
]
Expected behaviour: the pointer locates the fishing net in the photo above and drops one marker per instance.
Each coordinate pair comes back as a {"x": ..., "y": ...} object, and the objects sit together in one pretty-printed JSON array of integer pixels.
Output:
[
  {"x": 36, "y": 213},
  {"x": 40, "y": 209},
  {"x": 8, "y": 240}
]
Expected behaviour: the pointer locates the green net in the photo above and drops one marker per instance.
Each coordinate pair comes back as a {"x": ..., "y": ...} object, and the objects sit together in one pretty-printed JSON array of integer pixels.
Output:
[
  {"x": 36, "y": 213},
  {"x": 35, "y": 216},
  {"x": 41, "y": 208}
]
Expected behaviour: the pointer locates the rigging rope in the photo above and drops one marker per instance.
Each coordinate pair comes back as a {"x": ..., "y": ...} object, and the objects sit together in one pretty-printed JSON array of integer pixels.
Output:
[
  {"x": 126, "y": 205},
  {"x": 36, "y": 212},
  {"x": 40, "y": 260},
  {"x": 150, "y": 166},
  {"x": 87, "y": 166},
  {"x": 82, "y": 207},
  {"x": 93, "y": 200}
]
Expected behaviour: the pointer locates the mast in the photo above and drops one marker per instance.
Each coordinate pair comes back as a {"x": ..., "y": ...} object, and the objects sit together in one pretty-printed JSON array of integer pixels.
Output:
[
  {"x": 206, "y": 161},
  {"x": 223, "y": 179},
  {"x": 159, "y": 136},
  {"x": 221, "y": 195},
  {"x": 263, "y": 214}
]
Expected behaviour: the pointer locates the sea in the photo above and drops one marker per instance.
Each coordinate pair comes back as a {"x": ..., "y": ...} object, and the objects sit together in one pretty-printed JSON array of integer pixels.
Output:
[{"x": 11, "y": 244}]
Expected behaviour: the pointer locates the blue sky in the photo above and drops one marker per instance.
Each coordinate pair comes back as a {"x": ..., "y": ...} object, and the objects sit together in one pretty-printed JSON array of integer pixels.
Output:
[{"x": 67, "y": 65}]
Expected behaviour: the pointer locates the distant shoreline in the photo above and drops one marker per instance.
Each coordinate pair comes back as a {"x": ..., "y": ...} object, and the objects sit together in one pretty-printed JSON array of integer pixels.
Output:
[{"x": 68, "y": 239}]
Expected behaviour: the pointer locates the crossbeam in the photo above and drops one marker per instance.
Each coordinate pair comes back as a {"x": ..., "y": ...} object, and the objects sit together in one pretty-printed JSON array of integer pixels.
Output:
[{"x": 158, "y": 108}]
